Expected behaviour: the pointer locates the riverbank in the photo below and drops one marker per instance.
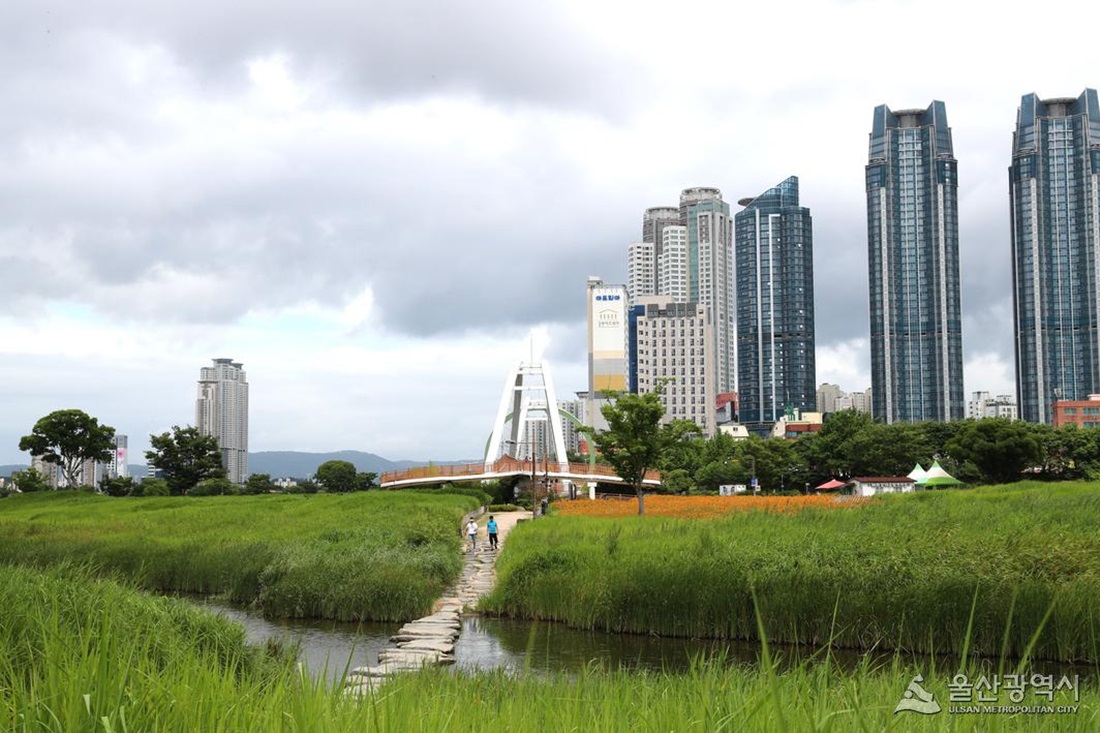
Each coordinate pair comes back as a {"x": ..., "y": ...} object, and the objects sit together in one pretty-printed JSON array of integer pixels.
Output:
[
  {"x": 381, "y": 556},
  {"x": 80, "y": 654},
  {"x": 1000, "y": 571}
]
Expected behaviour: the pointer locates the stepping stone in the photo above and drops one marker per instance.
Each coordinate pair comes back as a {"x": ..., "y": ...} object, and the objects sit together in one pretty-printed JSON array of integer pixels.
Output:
[
  {"x": 364, "y": 687},
  {"x": 417, "y": 627},
  {"x": 383, "y": 669},
  {"x": 418, "y": 634},
  {"x": 414, "y": 657},
  {"x": 443, "y": 646}
]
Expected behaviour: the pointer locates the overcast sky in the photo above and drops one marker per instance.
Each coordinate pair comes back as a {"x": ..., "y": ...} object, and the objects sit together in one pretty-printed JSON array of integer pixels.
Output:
[{"x": 372, "y": 205}]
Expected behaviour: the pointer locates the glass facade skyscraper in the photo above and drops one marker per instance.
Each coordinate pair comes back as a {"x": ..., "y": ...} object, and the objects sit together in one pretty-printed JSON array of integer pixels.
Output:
[
  {"x": 913, "y": 267},
  {"x": 1055, "y": 205},
  {"x": 773, "y": 242}
]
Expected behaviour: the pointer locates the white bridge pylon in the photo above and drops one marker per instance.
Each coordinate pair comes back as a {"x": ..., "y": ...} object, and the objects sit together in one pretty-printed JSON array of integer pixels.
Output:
[{"x": 529, "y": 398}]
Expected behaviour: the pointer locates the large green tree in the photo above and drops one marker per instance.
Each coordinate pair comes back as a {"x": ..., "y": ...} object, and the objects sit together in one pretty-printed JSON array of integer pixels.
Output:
[
  {"x": 635, "y": 439},
  {"x": 1000, "y": 448},
  {"x": 185, "y": 457},
  {"x": 337, "y": 476},
  {"x": 68, "y": 438}
]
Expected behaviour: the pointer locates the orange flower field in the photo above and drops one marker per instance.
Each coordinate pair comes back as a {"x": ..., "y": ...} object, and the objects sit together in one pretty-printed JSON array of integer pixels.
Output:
[{"x": 697, "y": 507}]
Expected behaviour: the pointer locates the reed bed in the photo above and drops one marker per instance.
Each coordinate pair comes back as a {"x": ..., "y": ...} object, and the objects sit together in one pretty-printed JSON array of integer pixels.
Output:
[
  {"x": 382, "y": 556},
  {"x": 929, "y": 572},
  {"x": 699, "y": 507},
  {"x": 80, "y": 654}
]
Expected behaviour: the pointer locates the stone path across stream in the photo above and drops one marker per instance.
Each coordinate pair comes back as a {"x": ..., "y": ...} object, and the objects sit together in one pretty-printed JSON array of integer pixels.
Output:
[{"x": 431, "y": 640}]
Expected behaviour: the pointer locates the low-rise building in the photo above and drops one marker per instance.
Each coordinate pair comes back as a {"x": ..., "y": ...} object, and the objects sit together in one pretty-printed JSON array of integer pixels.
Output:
[
  {"x": 1082, "y": 413},
  {"x": 875, "y": 485}
]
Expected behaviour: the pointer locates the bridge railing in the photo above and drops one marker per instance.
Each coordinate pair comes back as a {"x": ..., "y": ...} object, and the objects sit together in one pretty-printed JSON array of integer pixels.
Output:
[{"x": 505, "y": 464}]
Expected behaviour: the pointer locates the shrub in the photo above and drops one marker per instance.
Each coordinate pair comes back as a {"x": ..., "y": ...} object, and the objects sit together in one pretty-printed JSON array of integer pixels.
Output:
[
  {"x": 214, "y": 487},
  {"x": 151, "y": 487}
]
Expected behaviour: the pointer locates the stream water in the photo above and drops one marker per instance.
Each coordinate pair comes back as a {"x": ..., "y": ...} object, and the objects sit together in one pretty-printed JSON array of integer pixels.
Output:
[{"x": 328, "y": 648}]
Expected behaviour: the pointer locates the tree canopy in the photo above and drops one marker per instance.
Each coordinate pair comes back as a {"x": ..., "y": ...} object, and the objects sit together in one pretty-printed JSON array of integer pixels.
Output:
[
  {"x": 68, "y": 438},
  {"x": 342, "y": 476},
  {"x": 635, "y": 439},
  {"x": 185, "y": 457}
]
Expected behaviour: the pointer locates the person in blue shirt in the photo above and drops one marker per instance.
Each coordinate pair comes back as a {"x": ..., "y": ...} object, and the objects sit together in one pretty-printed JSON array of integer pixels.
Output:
[{"x": 492, "y": 528}]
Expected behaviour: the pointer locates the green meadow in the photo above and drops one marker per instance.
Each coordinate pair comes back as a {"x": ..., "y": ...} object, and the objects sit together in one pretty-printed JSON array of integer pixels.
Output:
[
  {"x": 80, "y": 653},
  {"x": 1004, "y": 572},
  {"x": 383, "y": 556}
]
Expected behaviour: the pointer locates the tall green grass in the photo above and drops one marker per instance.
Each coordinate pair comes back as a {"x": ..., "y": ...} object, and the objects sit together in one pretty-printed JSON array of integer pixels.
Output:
[
  {"x": 382, "y": 556},
  {"x": 79, "y": 654},
  {"x": 900, "y": 572}
]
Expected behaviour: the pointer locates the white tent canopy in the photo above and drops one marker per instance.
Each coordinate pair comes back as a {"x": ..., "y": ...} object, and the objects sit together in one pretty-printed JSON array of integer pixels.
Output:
[{"x": 918, "y": 474}]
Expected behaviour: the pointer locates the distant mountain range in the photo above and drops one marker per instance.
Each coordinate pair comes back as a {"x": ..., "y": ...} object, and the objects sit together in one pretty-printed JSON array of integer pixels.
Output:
[{"x": 294, "y": 464}]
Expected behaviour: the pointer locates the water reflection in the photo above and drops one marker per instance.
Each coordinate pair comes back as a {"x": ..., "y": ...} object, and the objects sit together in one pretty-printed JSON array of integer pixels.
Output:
[{"x": 327, "y": 648}]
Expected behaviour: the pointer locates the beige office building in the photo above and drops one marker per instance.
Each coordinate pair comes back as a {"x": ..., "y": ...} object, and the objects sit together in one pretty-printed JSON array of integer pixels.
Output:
[
  {"x": 675, "y": 345},
  {"x": 607, "y": 346}
]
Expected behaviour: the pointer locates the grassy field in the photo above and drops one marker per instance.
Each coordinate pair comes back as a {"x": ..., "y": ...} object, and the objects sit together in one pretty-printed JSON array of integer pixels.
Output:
[
  {"x": 937, "y": 571},
  {"x": 382, "y": 556},
  {"x": 79, "y": 654}
]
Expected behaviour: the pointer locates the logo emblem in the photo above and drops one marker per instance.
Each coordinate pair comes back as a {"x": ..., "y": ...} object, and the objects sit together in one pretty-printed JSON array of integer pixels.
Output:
[{"x": 917, "y": 699}]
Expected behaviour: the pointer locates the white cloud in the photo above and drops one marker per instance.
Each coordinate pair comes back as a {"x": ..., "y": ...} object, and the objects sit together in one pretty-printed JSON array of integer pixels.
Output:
[{"x": 373, "y": 216}]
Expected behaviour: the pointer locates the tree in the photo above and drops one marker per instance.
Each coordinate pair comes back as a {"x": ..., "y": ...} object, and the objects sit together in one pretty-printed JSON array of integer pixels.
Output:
[
  {"x": 68, "y": 438},
  {"x": 117, "y": 486},
  {"x": 337, "y": 476},
  {"x": 218, "y": 486},
  {"x": 150, "y": 487},
  {"x": 185, "y": 457},
  {"x": 635, "y": 439},
  {"x": 259, "y": 483},
  {"x": 29, "y": 480},
  {"x": 1000, "y": 448}
]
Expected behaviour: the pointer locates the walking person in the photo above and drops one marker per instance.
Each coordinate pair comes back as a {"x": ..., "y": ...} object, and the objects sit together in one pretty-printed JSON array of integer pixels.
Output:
[
  {"x": 471, "y": 532},
  {"x": 492, "y": 528}
]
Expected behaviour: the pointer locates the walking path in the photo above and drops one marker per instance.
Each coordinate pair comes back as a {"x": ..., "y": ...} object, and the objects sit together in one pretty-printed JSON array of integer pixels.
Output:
[{"x": 431, "y": 640}]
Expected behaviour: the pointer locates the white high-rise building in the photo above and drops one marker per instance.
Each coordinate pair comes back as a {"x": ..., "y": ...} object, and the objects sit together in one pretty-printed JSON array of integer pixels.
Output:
[
  {"x": 117, "y": 465},
  {"x": 672, "y": 267},
  {"x": 221, "y": 410},
  {"x": 641, "y": 270}
]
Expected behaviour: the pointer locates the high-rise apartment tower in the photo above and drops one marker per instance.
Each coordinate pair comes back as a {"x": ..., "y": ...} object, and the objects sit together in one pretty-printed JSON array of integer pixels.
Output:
[
  {"x": 1055, "y": 205},
  {"x": 773, "y": 243},
  {"x": 913, "y": 264},
  {"x": 221, "y": 410}
]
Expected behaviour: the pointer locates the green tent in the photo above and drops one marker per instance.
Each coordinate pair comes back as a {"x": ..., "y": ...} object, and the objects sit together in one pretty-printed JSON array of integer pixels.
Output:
[{"x": 936, "y": 477}]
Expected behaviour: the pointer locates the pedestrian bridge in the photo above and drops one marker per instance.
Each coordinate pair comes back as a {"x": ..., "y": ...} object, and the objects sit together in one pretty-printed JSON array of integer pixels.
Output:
[{"x": 504, "y": 467}]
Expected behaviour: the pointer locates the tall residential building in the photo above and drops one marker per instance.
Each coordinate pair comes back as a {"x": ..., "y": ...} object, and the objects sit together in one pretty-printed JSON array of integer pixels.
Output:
[
  {"x": 710, "y": 272},
  {"x": 672, "y": 265},
  {"x": 913, "y": 267},
  {"x": 117, "y": 465},
  {"x": 673, "y": 345},
  {"x": 221, "y": 410},
  {"x": 1055, "y": 205},
  {"x": 691, "y": 260},
  {"x": 568, "y": 427},
  {"x": 773, "y": 246},
  {"x": 607, "y": 346},
  {"x": 827, "y": 395},
  {"x": 654, "y": 222},
  {"x": 641, "y": 270}
]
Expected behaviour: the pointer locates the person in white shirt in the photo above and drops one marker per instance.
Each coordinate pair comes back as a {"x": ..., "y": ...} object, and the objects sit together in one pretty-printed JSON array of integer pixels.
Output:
[{"x": 471, "y": 532}]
